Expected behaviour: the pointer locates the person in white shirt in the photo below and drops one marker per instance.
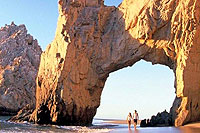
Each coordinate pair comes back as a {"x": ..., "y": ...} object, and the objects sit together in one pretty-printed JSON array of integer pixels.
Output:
[
  {"x": 135, "y": 118},
  {"x": 129, "y": 118}
]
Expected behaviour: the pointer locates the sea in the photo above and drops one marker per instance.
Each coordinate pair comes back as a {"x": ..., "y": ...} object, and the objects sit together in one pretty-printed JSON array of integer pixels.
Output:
[{"x": 99, "y": 126}]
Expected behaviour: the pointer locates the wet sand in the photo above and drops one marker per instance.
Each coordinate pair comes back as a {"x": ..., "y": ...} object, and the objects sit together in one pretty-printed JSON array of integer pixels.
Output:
[
  {"x": 99, "y": 126},
  {"x": 119, "y": 121},
  {"x": 123, "y": 127}
]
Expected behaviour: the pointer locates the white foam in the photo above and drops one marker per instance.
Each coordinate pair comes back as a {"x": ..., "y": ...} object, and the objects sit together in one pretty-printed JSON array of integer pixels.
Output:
[{"x": 86, "y": 129}]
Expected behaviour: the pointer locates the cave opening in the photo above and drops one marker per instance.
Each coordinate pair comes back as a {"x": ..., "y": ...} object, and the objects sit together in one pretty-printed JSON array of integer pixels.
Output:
[{"x": 144, "y": 87}]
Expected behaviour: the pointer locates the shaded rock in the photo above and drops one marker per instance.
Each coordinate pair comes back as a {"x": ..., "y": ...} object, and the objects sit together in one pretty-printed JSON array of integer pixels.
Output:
[
  {"x": 93, "y": 40},
  {"x": 19, "y": 62},
  {"x": 43, "y": 115},
  {"x": 24, "y": 114},
  {"x": 143, "y": 123},
  {"x": 160, "y": 120},
  {"x": 7, "y": 112}
]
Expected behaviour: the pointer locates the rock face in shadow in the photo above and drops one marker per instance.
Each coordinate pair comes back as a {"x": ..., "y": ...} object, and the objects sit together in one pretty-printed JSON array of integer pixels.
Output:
[
  {"x": 160, "y": 120},
  {"x": 93, "y": 40},
  {"x": 19, "y": 63}
]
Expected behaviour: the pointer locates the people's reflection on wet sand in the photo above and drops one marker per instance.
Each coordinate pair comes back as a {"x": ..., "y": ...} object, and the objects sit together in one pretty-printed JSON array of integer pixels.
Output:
[{"x": 133, "y": 131}]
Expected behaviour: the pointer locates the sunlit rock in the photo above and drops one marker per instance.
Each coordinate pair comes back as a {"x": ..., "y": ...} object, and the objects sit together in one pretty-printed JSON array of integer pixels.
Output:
[
  {"x": 93, "y": 40},
  {"x": 19, "y": 62}
]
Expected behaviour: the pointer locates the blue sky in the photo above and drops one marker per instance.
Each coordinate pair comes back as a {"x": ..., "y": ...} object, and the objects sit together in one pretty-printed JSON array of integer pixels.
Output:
[
  {"x": 39, "y": 16},
  {"x": 144, "y": 87}
]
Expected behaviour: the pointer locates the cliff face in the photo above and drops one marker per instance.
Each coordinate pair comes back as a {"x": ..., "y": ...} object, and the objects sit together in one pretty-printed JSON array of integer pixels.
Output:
[
  {"x": 93, "y": 40},
  {"x": 19, "y": 63}
]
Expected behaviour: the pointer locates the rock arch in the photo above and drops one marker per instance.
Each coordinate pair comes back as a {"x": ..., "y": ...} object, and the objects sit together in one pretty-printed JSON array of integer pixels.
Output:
[{"x": 94, "y": 40}]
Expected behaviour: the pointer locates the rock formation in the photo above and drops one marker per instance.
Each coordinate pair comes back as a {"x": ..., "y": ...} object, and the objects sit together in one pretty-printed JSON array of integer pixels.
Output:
[
  {"x": 19, "y": 62},
  {"x": 160, "y": 120},
  {"x": 92, "y": 40}
]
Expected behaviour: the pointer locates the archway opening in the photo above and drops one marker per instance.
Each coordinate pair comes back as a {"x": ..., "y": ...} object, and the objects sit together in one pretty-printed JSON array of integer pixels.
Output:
[{"x": 145, "y": 87}]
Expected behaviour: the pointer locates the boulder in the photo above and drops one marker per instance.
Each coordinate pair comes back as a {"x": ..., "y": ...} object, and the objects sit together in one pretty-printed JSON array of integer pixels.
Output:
[
  {"x": 160, "y": 120},
  {"x": 143, "y": 123}
]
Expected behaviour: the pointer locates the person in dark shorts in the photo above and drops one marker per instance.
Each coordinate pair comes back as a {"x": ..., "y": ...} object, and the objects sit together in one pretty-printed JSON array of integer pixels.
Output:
[{"x": 135, "y": 118}]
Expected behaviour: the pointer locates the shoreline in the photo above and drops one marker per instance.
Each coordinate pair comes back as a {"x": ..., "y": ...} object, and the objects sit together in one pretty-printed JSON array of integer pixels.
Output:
[
  {"x": 112, "y": 121},
  {"x": 119, "y": 121},
  {"x": 102, "y": 125},
  {"x": 193, "y": 125},
  {"x": 123, "y": 127}
]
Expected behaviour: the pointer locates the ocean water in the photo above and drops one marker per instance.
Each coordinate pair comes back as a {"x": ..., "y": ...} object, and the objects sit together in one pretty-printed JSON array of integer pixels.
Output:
[
  {"x": 12, "y": 127},
  {"x": 99, "y": 126}
]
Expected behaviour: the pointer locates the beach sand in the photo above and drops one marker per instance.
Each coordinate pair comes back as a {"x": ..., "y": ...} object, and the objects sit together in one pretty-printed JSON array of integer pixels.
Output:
[
  {"x": 123, "y": 127},
  {"x": 99, "y": 126},
  {"x": 119, "y": 121},
  {"x": 193, "y": 125}
]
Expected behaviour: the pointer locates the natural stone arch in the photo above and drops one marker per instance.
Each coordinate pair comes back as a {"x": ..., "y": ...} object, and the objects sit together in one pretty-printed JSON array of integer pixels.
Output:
[{"x": 93, "y": 40}]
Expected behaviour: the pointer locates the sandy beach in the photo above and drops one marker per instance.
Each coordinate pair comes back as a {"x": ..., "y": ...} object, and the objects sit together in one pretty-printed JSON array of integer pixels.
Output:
[
  {"x": 119, "y": 121},
  {"x": 191, "y": 125},
  {"x": 122, "y": 127},
  {"x": 99, "y": 126}
]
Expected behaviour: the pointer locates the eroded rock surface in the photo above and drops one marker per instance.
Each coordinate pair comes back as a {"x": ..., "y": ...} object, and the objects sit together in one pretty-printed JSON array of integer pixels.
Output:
[
  {"x": 160, "y": 120},
  {"x": 19, "y": 62},
  {"x": 93, "y": 40}
]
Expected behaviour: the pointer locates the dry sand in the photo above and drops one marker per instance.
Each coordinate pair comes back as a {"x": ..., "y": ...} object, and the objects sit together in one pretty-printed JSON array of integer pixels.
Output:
[{"x": 193, "y": 125}]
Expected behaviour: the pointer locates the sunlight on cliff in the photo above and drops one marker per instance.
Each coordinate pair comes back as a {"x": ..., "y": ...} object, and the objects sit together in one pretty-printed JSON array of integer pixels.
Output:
[{"x": 145, "y": 87}]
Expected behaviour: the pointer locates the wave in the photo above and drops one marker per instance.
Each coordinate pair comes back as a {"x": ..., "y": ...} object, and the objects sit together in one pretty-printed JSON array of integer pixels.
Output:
[
  {"x": 86, "y": 129},
  {"x": 11, "y": 127}
]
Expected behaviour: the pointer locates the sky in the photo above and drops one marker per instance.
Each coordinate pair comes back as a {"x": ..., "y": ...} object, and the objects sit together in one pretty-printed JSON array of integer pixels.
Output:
[
  {"x": 143, "y": 87},
  {"x": 39, "y": 16}
]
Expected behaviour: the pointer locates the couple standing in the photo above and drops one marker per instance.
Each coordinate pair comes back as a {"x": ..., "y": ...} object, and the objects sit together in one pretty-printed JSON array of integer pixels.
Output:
[{"x": 135, "y": 118}]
